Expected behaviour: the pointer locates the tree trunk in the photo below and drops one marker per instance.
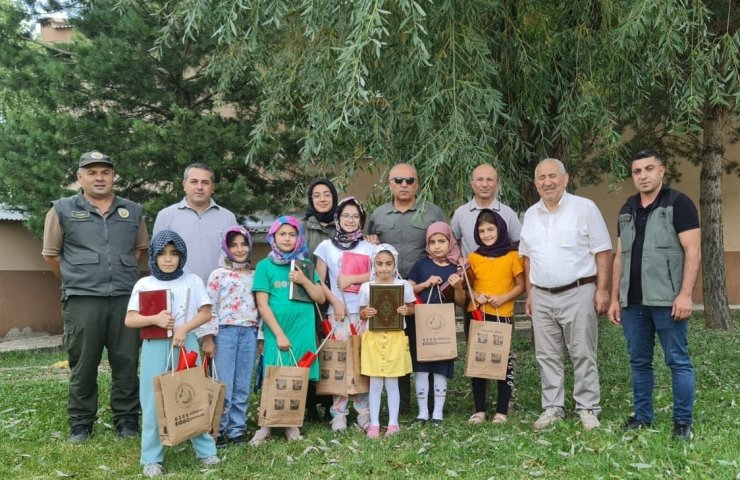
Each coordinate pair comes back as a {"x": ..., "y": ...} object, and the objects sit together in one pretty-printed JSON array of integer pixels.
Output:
[{"x": 716, "y": 308}]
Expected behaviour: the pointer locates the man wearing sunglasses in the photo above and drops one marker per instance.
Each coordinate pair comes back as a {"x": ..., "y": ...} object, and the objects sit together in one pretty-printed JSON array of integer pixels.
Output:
[{"x": 403, "y": 223}]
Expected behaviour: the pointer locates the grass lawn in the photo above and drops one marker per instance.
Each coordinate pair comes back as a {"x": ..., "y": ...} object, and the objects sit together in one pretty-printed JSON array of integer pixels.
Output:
[{"x": 33, "y": 429}]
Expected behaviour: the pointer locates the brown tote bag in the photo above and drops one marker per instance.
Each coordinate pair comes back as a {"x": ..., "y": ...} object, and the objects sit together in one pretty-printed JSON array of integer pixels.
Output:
[
  {"x": 489, "y": 344},
  {"x": 181, "y": 400},
  {"x": 216, "y": 397},
  {"x": 283, "y": 402},
  {"x": 436, "y": 335}
]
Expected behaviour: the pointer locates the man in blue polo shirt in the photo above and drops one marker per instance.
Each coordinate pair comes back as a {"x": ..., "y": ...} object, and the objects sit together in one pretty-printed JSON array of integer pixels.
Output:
[{"x": 198, "y": 220}]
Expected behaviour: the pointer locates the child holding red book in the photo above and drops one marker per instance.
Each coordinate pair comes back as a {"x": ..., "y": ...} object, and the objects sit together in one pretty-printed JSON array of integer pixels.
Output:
[{"x": 191, "y": 308}]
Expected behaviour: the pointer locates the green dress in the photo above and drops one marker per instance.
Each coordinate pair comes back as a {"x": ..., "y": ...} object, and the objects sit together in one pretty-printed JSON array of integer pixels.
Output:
[{"x": 295, "y": 318}]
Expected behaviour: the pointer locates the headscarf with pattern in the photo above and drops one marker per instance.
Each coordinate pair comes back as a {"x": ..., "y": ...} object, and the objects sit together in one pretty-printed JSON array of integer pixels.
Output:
[
  {"x": 343, "y": 239},
  {"x": 441, "y": 227},
  {"x": 156, "y": 247},
  {"x": 301, "y": 248},
  {"x": 384, "y": 247},
  {"x": 227, "y": 260}
]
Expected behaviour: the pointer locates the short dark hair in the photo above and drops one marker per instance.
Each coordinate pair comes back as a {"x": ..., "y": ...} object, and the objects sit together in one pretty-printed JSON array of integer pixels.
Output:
[
  {"x": 201, "y": 166},
  {"x": 647, "y": 153}
]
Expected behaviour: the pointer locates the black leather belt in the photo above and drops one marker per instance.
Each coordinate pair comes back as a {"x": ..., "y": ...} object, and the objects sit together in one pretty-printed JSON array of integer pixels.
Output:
[{"x": 577, "y": 283}]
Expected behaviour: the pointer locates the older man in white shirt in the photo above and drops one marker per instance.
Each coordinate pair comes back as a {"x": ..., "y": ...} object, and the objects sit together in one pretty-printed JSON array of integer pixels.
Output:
[{"x": 567, "y": 253}]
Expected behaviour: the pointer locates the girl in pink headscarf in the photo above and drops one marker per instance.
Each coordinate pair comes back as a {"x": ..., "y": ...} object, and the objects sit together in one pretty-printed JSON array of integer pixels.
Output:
[{"x": 428, "y": 277}]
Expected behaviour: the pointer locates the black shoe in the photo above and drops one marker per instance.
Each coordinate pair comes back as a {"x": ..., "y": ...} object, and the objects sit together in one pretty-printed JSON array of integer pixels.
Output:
[
  {"x": 633, "y": 423},
  {"x": 128, "y": 429},
  {"x": 80, "y": 433},
  {"x": 238, "y": 440},
  {"x": 420, "y": 421},
  {"x": 221, "y": 441},
  {"x": 682, "y": 430},
  {"x": 436, "y": 422}
]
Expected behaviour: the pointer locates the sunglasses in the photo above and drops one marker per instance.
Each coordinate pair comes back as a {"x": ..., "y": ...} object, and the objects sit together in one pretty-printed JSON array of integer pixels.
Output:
[{"x": 400, "y": 180}]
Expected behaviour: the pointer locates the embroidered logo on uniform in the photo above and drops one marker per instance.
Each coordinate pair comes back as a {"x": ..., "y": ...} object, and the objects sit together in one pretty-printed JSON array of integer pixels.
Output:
[
  {"x": 96, "y": 155},
  {"x": 123, "y": 213},
  {"x": 80, "y": 214}
]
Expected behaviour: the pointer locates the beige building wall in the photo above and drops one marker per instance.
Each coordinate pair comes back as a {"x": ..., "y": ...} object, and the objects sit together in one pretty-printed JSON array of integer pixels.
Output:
[{"x": 29, "y": 293}]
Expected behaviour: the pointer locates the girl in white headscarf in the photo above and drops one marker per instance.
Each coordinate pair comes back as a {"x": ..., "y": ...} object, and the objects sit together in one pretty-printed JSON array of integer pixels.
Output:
[{"x": 385, "y": 354}]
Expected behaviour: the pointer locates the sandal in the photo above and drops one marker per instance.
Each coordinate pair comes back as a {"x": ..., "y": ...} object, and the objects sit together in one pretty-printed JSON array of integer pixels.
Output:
[
  {"x": 392, "y": 430},
  {"x": 477, "y": 418},
  {"x": 260, "y": 436},
  {"x": 373, "y": 431},
  {"x": 293, "y": 434},
  {"x": 499, "y": 418}
]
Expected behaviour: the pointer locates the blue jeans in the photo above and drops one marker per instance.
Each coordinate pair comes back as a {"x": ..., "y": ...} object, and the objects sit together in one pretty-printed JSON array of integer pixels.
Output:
[
  {"x": 640, "y": 324},
  {"x": 236, "y": 348}
]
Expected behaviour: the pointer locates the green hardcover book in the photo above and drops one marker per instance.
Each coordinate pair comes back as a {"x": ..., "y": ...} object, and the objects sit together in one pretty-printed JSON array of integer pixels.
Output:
[{"x": 296, "y": 291}]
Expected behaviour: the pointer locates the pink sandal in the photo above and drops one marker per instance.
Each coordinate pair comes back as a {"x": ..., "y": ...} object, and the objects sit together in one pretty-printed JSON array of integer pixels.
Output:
[
  {"x": 373, "y": 431},
  {"x": 392, "y": 430}
]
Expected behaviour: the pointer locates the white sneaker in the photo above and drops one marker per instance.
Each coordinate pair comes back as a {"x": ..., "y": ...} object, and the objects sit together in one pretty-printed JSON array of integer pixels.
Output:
[
  {"x": 339, "y": 423},
  {"x": 550, "y": 416},
  {"x": 589, "y": 420},
  {"x": 208, "y": 461},
  {"x": 153, "y": 470}
]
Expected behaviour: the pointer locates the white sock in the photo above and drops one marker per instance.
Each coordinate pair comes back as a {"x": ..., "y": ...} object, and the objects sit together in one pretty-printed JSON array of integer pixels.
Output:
[
  {"x": 422, "y": 393},
  {"x": 394, "y": 399},
  {"x": 376, "y": 390},
  {"x": 440, "y": 394}
]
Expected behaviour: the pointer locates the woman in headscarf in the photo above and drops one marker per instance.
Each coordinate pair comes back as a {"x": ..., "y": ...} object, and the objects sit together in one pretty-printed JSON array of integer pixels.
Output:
[{"x": 318, "y": 222}]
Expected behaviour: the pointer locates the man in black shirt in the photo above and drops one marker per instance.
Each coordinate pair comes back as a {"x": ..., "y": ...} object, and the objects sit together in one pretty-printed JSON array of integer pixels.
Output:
[{"x": 655, "y": 270}]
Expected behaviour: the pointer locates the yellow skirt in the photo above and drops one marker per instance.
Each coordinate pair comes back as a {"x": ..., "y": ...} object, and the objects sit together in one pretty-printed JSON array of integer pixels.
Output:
[{"x": 385, "y": 354}]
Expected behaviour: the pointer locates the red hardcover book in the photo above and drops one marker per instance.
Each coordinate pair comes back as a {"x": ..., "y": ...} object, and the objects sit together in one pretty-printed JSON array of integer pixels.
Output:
[
  {"x": 354, "y": 264},
  {"x": 151, "y": 303}
]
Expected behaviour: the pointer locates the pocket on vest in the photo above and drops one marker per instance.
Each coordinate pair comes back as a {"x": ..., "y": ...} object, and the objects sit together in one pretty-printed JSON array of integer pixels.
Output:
[{"x": 84, "y": 258}]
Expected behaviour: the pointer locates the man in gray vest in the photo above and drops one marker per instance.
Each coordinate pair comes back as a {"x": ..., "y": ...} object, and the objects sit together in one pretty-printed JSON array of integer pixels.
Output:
[
  {"x": 655, "y": 270},
  {"x": 92, "y": 243}
]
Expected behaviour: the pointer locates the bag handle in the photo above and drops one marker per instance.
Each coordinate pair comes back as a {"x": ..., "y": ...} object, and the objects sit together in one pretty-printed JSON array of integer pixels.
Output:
[
  {"x": 280, "y": 358},
  {"x": 171, "y": 359},
  {"x": 208, "y": 362},
  {"x": 439, "y": 294}
]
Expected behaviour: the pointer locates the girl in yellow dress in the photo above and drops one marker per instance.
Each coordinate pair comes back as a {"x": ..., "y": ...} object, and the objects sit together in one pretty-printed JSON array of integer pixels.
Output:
[{"x": 385, "y": 354}]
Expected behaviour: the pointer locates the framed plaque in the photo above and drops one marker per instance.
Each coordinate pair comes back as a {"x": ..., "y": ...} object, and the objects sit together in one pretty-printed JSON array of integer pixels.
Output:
[{"x": 386, "y": 299}]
